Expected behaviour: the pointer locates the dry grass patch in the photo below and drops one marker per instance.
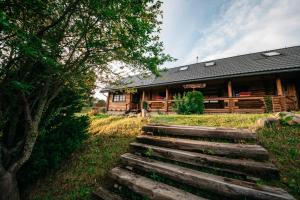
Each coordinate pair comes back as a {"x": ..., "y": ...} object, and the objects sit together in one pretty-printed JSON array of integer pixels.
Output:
[
  {"x": 117, "y": 126},
  {"x": 215, "y": 120}
]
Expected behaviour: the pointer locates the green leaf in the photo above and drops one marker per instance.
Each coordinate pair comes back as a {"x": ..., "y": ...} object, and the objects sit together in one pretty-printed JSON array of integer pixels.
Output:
[{"x": 21, "y": 86}]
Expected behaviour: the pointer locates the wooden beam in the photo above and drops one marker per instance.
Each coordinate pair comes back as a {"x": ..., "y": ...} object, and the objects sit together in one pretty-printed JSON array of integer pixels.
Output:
[
  {"x": 217, "y": 185},
  {"x": 149, "y": 188},
  {"x": 143, "y": 99},
  {"x": 248, "y": 151},
  {"x": 104, "y": 194},
  {"x": 279, "y": 87},
  {"x": 229, "y": 87},
  {"x": 129, "y": 103},
  {"x": 107, "y": 101},
  {"x": 236, "y": 166},
  {"x": 200, "y": 132},
  {"x": 167, "y": 97}
]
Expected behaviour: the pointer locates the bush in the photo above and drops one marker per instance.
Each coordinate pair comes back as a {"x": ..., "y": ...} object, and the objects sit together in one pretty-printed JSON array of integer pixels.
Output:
[
  {"x": 61, "y": 133},
  {"x": 53, "y": 146},
  {"x": 268, "y": 104},
  {"x": 145, "y": 105},
  {"x": 189, "y": 103}
]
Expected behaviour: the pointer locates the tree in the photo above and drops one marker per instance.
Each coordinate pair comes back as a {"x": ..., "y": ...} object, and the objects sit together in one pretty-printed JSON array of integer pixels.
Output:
[{"x": 48, "y": 46}]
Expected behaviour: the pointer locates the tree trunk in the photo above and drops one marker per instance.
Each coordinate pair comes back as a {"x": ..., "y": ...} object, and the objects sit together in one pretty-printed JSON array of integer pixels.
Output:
[{"x": 9, "y": 187}]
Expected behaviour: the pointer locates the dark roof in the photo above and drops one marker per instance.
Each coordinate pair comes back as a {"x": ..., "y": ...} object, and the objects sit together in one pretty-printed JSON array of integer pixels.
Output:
[{"x": 242, "y": 65}]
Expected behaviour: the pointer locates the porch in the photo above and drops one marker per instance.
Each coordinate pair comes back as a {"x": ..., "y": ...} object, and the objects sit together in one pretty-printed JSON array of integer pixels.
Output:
[
  {"x": 228, "y": 104},
  {"x": 231, "y": 96}
]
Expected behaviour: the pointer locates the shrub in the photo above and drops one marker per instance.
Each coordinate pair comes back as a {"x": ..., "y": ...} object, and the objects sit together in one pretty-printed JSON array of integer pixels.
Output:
[
  {"x": 61, "y": 132},
  {"x": 145, "y": 105},
  {"x": 189, "y": 103},
  {"x": 268, "y": 104},
  {"x": 53, "y": 146}
]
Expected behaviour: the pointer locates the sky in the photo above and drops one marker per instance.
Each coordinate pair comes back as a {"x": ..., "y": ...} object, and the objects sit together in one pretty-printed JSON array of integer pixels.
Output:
[{"x": 211, "y": 29}]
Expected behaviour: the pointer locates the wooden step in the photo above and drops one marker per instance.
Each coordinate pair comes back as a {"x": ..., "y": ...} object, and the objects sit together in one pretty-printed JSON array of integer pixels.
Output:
[
  {"x": 235, "y": 189},
  {"x": 245, "y": 167},
  {"x": 201, "y": 132},
  {"x": 149, "y": 188},
  {"x": 103, "y": 194},
  {"x": 215, "y": 148}
]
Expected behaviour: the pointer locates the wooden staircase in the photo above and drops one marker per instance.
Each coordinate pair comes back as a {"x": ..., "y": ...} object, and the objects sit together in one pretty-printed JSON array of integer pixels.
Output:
[{"x": 183, "y": 162}]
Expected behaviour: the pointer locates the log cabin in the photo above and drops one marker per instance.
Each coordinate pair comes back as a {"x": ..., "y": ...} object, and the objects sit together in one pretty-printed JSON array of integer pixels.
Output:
[{"x": 238, "y": 84}]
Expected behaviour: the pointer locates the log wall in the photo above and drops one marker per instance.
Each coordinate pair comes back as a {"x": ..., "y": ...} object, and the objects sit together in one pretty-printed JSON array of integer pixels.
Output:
[
  {"x": 118, "y": 106},
  {"x": 216, "y": 96}
]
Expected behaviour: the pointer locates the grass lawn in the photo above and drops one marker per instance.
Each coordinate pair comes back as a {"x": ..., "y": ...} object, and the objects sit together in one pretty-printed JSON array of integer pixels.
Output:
[
  {"x": 224, "y": 120},
  {"x": 110, "y": 137},
  {"x": 283, "y": 145},
  {"x": 87, "y": 167}
]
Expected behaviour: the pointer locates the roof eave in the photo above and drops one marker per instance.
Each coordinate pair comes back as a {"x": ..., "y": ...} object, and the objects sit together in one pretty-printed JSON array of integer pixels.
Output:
[{"x": 214, "y": 78}]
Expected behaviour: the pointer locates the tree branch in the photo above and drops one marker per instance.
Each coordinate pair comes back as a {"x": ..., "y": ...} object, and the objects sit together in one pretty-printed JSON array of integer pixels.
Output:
[
  {"x": 13, "y": 126},
  {"x": 60, "y": 19},
  {"x": 54, "y": 94},
  {"x": 28, "y": 117},
  {"x": 31, "y": 133},
  {"x": 42, "y": 102}
]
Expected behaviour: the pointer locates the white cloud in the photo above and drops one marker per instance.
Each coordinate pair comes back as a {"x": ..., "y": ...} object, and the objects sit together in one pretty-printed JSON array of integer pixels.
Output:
[{"x": 248, "y": 26}]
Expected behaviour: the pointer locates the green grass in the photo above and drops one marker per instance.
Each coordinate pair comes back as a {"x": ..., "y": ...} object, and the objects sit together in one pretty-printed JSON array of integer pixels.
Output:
[
  {"x": 283, "y": 145},
  {"x": 218, "y": 120},
  {"x": 100, "y": 116},
  {"x": 110, "y": 137},
  {"x": 87, "y": 168}
]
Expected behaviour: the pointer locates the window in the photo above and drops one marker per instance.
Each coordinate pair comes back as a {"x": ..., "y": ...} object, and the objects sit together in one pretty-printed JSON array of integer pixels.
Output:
[
  {"x": 271, "y": 53},
  {"x": 209, "y": 64},
  {"x": 183, "y": 68},
  {"x": 118, "y": 98}
]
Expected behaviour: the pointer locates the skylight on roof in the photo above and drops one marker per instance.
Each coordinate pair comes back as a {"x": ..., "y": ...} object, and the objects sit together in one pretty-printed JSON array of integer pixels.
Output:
[
  {"x": 271, "y": 53},
  {"x": 183, "y": 68},
  {"x": 209, "y": 64}
]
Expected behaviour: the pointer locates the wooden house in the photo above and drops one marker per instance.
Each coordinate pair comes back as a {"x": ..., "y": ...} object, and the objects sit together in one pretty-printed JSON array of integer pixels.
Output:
[{"x": 239, "y": 84}]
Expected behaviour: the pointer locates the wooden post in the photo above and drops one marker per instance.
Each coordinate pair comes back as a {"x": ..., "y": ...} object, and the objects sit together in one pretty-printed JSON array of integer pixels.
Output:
[
  {"x": 130, "y": 101},
  {"x": 143, "y": 99},
  {"x": 166, "y": 101},
  {"x": 229, "y": 87},
  {"x": 142, "y": 104},
  {"x": 279, "y": 87},
  {"x": 230, "y": 101},
  {"x": 107, "y": 102}
]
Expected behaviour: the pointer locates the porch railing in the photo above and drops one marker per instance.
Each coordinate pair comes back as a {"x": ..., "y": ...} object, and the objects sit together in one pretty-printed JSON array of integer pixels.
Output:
[
  {"x": 235, "y": 104},
  {"x": 284, "y": 103},
  {"x": 132, "y": 106},
  {"x": 254, "y": 104},
  {"x": 217, "y": 104}
]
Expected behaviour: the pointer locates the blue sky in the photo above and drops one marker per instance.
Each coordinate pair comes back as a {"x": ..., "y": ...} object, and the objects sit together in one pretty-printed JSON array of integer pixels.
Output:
[{"x": 213, "y": 29}]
